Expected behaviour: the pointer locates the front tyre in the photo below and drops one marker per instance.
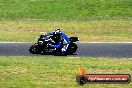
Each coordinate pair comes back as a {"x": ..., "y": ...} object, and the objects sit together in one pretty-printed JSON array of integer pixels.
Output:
[
  {"x": 72, "y": 48},
  {"x": 35, "y": 49}
]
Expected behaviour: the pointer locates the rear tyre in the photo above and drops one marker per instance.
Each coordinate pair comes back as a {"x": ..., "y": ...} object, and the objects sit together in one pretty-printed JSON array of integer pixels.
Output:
[
  {"x": 35, "y": 49},
  {"x": 72, "y": 48}
]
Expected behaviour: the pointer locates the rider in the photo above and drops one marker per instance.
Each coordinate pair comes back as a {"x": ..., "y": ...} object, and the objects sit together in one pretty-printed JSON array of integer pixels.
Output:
[{"x": 62, "y": 40}]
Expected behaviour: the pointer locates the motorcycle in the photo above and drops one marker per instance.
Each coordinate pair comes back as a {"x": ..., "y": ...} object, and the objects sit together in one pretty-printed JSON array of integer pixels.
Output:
[{"x": 42, "y": 45}]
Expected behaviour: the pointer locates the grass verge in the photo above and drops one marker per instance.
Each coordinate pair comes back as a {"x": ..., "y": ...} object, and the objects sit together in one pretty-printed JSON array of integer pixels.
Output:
[
  {"x": 60, "y": 72},
  {"x": 66, "y": 9},
  {"x": 96, "y": 30}
]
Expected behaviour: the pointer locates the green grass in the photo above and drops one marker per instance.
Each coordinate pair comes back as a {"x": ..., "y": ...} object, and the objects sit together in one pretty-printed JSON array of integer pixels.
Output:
[
  {"x": 66, "y": 9},
  {"x": 90, "y": 20},
  {"x": 95, "y": 31},
  {"x": 60, "y": 72}
]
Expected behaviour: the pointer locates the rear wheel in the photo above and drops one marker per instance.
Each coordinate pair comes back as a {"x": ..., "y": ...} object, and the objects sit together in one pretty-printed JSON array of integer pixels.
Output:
[
  {"x": 35, "y": 49},
  {"x": 72, "y": 48}
]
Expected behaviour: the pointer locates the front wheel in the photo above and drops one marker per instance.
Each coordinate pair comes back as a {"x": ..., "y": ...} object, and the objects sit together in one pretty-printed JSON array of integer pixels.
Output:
[
  {"x": 35, "y": 49},
  {"x": 72, "y": 48}
]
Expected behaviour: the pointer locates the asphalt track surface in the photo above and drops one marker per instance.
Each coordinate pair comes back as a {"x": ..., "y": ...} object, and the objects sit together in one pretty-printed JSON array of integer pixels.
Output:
[{"x": 120, "y": 50}]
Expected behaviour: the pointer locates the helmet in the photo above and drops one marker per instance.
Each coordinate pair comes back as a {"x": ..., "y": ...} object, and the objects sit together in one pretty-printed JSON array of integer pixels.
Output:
[
  {"x": 57, "y": 31},
  {"x": 57, "y": 35}
]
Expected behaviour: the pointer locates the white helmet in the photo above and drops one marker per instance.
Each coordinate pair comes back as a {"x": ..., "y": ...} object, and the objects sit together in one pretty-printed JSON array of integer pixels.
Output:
[{"x": 57, "y": 31}]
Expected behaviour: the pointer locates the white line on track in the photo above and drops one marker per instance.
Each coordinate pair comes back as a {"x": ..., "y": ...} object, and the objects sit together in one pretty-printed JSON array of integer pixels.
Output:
[{"x": 73, "y": 57}]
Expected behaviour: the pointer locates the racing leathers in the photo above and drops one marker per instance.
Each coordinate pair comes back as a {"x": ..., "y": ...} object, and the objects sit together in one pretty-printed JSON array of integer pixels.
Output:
[{"x": 62, "y": 41}]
